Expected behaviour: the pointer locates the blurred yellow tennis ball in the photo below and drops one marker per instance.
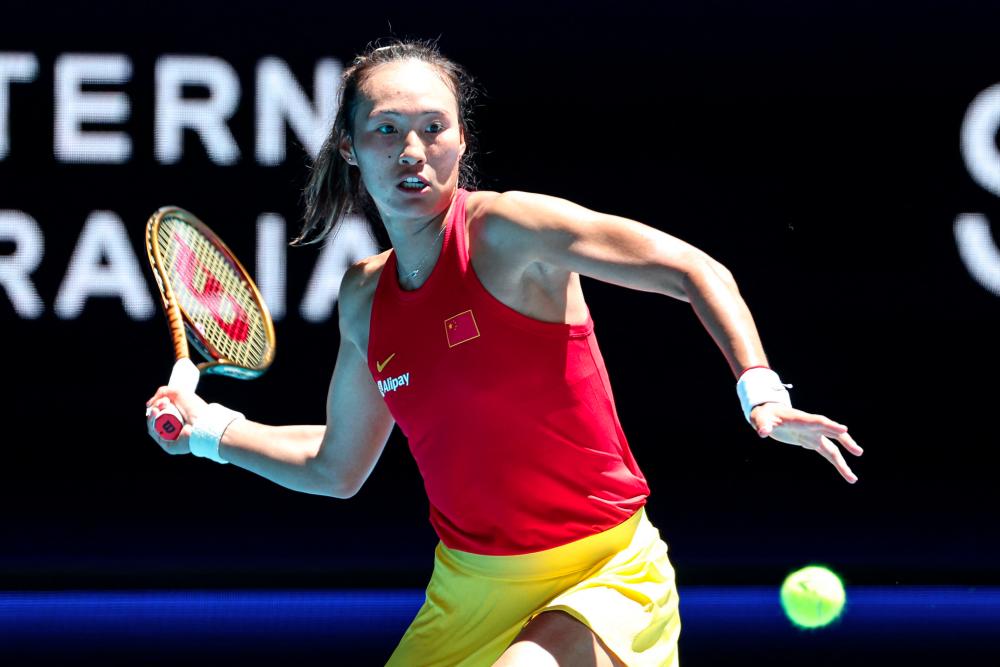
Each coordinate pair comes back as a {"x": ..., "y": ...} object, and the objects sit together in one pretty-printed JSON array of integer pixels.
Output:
[{"x": 813, "y": 596}]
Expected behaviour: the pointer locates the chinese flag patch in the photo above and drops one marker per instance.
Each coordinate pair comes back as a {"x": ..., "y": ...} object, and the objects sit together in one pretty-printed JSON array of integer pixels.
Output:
[{"x": 461, "y": 328}]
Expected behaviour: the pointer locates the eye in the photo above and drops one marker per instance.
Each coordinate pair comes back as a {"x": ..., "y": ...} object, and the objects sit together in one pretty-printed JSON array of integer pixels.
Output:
[
  {"x": 436, "y": 126},
  {"x": 385, "y": 129}
]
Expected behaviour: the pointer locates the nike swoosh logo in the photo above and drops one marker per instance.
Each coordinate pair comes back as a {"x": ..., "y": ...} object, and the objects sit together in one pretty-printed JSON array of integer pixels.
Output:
[{"x": 379, "y": 365}]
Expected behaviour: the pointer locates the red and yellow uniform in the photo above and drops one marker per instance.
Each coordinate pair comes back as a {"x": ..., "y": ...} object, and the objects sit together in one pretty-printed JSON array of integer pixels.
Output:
[{"x": 533, "y": 489}]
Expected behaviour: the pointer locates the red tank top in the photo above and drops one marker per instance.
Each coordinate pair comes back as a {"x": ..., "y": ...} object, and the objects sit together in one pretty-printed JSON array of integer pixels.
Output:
[{"x": 511, "y": 420}]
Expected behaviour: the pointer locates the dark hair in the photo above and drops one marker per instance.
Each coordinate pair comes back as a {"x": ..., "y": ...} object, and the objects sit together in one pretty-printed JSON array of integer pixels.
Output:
[{"x": 334, "y": 188}]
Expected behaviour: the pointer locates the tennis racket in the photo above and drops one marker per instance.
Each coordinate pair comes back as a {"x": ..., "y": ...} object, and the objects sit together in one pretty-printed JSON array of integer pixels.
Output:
[{"x": 210, "y": 301}]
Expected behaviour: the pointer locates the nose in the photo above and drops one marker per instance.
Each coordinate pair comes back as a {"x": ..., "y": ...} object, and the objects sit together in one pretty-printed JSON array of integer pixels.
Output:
[{"x": 413, "y": 150}]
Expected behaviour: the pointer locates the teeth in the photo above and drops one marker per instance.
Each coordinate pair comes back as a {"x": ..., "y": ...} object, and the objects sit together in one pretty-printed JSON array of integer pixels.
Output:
[{"x": 412, "y": 183}]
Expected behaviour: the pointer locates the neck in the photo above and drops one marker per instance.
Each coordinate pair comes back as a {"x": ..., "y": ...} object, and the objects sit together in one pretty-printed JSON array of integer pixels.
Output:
[{"x": 417, "y": 244}]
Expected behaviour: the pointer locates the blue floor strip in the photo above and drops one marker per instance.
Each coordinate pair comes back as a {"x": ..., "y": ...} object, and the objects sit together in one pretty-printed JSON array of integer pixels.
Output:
[{"x": 72, "y": 621}]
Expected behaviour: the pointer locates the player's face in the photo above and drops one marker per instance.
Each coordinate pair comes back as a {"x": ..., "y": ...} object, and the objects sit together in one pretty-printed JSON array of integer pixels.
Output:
[{"x": 407, "y": 140}]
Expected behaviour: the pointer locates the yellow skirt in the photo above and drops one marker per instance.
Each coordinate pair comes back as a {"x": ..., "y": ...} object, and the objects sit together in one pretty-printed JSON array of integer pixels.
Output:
[{"x": 619, "y": 583}]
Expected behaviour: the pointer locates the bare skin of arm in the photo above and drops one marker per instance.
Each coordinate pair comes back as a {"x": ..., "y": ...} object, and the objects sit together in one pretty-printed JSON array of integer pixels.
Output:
[
  {"x": 529, "y": 251},
  {"x": 331, "y": 460}
]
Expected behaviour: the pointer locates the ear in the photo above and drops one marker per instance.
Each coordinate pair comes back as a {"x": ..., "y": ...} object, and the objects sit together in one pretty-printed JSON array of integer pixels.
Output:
[
  {"x": 461, "y": 146},
  {"x": 346, "y": 149}
]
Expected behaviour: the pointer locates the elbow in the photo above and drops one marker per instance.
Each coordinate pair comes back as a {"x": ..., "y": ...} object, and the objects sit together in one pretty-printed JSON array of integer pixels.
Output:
[
  {"x": 340, "y": 494},
  {"x": 702, "y": 276},
  {"x": 724, "y": 273},
  {"x": 341, "y": 485},
  {"x": 705, "y": 269},
  {"x": 343, "y": 491}
]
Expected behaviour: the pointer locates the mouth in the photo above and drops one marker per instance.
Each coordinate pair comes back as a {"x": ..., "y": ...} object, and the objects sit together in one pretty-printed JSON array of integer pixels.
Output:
[{"x": 412, "y": 184}]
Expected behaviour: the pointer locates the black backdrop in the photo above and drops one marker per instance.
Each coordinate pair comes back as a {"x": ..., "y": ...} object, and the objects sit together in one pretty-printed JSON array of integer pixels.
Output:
[{"x": 812, "y": 148}]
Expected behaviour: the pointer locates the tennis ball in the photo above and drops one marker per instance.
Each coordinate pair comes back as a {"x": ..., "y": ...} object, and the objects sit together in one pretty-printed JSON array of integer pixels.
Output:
[{"x": 813, "y": 596}]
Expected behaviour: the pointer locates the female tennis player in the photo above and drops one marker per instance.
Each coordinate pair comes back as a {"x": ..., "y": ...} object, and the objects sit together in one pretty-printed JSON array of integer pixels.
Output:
[{"x": 473, "y": 335}]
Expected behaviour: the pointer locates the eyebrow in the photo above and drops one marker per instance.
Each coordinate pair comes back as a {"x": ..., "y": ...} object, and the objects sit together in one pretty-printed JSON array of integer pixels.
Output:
[{"x": 393, "y": 112}]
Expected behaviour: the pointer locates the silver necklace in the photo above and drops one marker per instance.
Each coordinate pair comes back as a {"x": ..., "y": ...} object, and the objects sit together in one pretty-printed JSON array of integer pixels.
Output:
[{"x": 411, "y": 276}]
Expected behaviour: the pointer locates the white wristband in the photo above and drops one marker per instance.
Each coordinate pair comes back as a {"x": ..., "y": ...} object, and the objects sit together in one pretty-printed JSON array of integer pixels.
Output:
[
  {"x": 761, "y": 385},
  {"x": 207, "y": 430}
]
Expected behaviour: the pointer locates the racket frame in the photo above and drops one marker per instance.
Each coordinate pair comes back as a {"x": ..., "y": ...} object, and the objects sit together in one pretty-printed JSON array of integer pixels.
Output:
[{"x": 181, "y": 325}]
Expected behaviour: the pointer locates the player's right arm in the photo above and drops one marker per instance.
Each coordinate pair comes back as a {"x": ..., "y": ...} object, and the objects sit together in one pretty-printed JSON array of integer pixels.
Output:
[{"x": 331, "y": 460}]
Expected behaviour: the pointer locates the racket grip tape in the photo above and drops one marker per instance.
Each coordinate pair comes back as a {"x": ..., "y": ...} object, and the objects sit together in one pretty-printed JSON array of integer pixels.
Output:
[{"x": 183, "y": 377}]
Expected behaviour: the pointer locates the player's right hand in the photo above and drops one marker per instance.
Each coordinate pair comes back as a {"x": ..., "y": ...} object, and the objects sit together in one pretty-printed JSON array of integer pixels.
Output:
[{"x": 189, "y": 404}]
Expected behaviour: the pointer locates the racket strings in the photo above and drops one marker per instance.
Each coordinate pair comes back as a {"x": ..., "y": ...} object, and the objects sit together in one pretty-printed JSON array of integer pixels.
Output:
[{"x": 214, "y": 294}]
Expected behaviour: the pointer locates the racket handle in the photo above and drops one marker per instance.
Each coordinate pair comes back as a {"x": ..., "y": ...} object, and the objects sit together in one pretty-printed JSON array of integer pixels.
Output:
[
  {"x": 183, "y": 377},
  {"x": 168, "y": 423}
]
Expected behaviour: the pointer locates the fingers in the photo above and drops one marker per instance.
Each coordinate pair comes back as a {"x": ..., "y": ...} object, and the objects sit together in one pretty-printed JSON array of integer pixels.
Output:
[
  {"x": 848, "y": 443},
  {"x": 831, "y": 453},
  {"x": 765, "y": 419},
  {"x": 156, "y": 407},
  {"x": 814, "y": 425},
  {"x": 768, "y": 416},
  {"x": 826, "y": 425},
  {"x": 823, "y": 426},
  {"x": 162, "y": 392},
  {"x": 765, "y": 427},
  {"x": 810, "y": 431},
  {"x": 834, "y": 431}
]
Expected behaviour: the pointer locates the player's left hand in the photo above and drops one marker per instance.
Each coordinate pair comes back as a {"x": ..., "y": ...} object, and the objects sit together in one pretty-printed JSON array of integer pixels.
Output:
[{"x": 816, "y": 432}]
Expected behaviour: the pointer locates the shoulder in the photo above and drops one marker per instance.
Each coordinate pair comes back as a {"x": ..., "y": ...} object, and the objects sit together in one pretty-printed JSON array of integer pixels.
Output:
[
  {"x": 357, "y": 290},
  {"x": 360, "y": 280},
  {"x": 522, "y": 209},
  {"x": 512, "y": 207},
  {"x": 515, "y": 217}
]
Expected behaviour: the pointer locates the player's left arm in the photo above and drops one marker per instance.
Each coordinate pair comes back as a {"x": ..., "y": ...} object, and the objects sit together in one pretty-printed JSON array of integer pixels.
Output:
[{"x": 556, "y": 232}]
